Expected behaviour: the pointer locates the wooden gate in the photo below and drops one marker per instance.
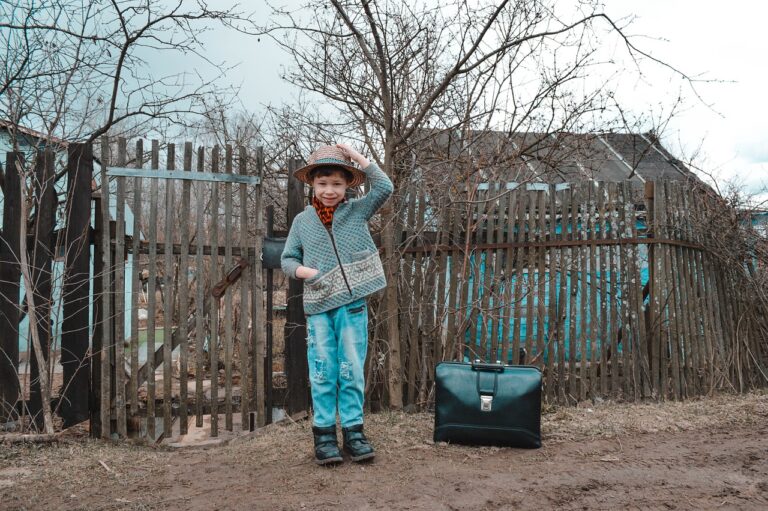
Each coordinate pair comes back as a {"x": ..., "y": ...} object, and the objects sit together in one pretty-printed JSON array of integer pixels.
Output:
[{"x": 179, "y": 323}]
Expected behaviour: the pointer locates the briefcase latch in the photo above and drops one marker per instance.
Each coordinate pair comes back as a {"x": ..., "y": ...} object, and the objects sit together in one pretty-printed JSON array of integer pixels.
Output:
[{"x": 485, "y": 403}]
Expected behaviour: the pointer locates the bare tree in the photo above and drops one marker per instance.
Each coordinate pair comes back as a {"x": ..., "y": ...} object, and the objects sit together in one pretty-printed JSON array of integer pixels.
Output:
[
  {"x": 396, "y": 75},
  {"x": 77, "y": 69},
  {"x": 71, "y": 71}
]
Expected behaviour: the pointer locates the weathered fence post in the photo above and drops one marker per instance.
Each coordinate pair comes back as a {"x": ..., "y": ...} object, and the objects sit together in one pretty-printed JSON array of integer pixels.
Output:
[
  {"x": 268, "y": 392},
  {"x": 296, "y": 368},
  {"x": 10, "y": 275},
  {"x": 41, "y": 259},
  {"x": 75, "y": 334}
]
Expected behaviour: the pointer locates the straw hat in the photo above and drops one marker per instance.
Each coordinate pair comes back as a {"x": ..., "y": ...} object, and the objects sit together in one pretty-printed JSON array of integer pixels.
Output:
[{"x": 330, "y": 155}]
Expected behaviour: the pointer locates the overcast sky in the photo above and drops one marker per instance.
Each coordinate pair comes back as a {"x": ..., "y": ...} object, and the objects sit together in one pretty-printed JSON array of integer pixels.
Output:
[{"x": 703, "y": 38}]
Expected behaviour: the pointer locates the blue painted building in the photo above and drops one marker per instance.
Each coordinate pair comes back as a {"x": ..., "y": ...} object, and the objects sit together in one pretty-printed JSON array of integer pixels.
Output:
[{"x": 28, "y": 142}]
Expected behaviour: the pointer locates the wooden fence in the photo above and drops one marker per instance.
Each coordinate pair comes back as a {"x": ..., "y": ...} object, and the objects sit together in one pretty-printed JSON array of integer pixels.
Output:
[
  {"x": 612, "y": 291},
  {"x": 196, "y": 264}
]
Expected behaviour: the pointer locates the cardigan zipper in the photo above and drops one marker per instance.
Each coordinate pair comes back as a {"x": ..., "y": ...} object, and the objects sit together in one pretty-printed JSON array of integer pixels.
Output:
[{"x": 341, "y": 266}]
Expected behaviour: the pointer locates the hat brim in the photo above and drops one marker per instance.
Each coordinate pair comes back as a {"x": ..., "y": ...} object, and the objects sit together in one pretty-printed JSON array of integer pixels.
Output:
[{"x": 358, "y": 176}]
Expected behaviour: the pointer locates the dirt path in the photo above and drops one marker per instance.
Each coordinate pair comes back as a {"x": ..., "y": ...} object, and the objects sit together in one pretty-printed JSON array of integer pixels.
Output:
[{"x": 709, "y": 454}]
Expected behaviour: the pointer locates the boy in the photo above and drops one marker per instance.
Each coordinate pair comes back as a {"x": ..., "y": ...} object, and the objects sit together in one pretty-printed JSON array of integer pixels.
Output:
[{"x": 330, "y": 247}]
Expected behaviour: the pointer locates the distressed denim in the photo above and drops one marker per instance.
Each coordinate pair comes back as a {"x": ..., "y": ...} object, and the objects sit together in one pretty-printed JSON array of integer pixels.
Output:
[{"x": 337, "y": 342}]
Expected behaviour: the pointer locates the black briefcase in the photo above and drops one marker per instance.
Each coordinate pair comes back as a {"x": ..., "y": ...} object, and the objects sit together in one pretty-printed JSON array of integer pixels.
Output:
[{"x": 488, "y": 404}]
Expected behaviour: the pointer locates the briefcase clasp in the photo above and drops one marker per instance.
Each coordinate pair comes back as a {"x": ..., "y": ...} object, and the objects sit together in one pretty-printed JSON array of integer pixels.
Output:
[{"x": 486, "y": 403}]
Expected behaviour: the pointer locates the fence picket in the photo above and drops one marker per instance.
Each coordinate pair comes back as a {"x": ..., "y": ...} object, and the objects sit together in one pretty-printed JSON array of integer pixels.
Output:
[
  {"x": 106, "y": 302},
  {"x": 228, "y": 317},
  {"x": 136, "y": 286},
  {"x": 216, "y": 274},
  {"x": 200, "y": 308},
  {"x": 168, "y": 296},
  {"x": 119, "y": 300},
  {"x": 151, "y": 293},
  {"x": 245, "y": 355},
  {"x": 184, "y": 264}
]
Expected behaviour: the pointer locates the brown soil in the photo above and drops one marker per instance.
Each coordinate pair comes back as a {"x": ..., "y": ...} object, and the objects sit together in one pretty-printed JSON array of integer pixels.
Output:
[{"x": 703, "y": 454}]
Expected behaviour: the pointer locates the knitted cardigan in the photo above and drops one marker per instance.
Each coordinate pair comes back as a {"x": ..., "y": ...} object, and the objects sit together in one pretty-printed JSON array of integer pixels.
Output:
[{"x": 345, "y": 255}]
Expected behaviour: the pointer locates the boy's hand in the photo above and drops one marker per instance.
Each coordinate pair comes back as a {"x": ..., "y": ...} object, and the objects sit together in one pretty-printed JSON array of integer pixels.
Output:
[
  {"x": 356, "y": 157},
  {"x": 304, "y": 272}
]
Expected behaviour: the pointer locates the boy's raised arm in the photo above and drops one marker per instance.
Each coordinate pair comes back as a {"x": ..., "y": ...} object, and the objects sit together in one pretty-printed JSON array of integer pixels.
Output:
[
  {"x": 380, "y": 185},
  {"x": 380, "y": 189}
]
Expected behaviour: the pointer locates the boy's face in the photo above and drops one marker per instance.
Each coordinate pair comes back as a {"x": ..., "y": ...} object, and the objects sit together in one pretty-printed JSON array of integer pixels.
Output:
[{"x": 330, "y": 190}]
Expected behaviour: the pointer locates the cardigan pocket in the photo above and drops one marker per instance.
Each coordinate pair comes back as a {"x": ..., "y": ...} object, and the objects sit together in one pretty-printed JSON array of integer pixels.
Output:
[{"x": 361, "y": 255}]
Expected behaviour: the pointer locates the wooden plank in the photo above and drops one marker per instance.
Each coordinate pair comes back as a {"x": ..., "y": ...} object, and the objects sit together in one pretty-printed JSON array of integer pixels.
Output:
[
  {"x": 442, "y": 269},
  {"x": 421, "y": 276},
  {"x": 603, "y": 287},
  {"x": 509, "y": 274},
  {"x": 517, "y": 304},
  {"x": 670, "y": 383},
  {"x": 427, "y": 332},
  {"x": 674, "y": 331},
  {"x": 244, "y": 353},
  {"x": 625, "y": 377},
  {"x": 541, "y": 293},
  {"x": 613, "y": 288},
  {"x": 497, "y": 318},
  {"x": 107, "y": 338},
  {"x": 257, "y": 300},
  {"x": 296, "y": 367},
  {"x": 152, "y": 292},
  {"x": 486, "y": 259},
  {"x": 168, "y": 295},
  {"x": 75, "y": 359},
  {"x": 562, "y": 298},
  {"x": 94, "y": 400},
  {"x": 654, "y": 321},
  {"x": 415, "y": 284},
  {"x": 136, "y": 286},
  {"x": 594, "y": 351},
  {"x": 200, "y": 309},
  {"x": 465, "y": 268},
  {"x": 687, "y": 302},
  {"x": 408, "y": 335},
  {"x": 10, "y": 285},
  {"x": 573, "y": 271},
  {"x": 584, "y": 291},
  {"x": 454, "y": 310},
  {"x": 267, "y": 365},
  {"x": 216, "y": 274},
  {"x": 530, "y": 281},
  {"x": 228, "y": 319},
  {"x": 704, "y": 308},
  {"x": 678, "y": 283},
  {"x": 474, "y": 270},
  {"x": 553, "y": 306},
  {"x": 184, "y": 265},
  {"x": 637, "y": 315},
  {"x": 119, "y": 297}
]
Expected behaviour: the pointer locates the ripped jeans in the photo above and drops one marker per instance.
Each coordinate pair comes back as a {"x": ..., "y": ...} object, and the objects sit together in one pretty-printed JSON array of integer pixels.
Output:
[{"x": 337, "y": 342}]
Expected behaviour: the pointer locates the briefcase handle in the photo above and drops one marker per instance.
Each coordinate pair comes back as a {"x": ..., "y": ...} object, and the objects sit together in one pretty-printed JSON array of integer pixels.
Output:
[{"x": 484, "y": 366}]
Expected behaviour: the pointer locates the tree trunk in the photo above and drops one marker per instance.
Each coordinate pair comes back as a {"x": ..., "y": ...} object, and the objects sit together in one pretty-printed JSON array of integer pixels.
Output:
[
  {"x": 391, "y": 265},
  {"x": 29, "y": 286}
]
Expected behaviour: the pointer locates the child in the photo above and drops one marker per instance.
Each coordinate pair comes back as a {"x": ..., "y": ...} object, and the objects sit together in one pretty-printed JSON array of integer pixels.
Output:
[{"x": 330, "y": 247}]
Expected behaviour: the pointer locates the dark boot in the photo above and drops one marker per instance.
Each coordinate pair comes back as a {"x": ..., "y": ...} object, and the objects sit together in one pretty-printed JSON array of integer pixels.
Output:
[
  {"x": 326, "y": 447},
  {"x": 356, "y": 444}
]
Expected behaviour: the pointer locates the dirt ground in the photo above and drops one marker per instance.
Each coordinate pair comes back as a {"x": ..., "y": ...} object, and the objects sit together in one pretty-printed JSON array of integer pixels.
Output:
[{"x": 703, "y": 454}]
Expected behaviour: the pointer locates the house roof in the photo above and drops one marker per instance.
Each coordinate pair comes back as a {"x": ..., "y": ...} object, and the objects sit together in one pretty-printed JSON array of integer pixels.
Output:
[
  {"x": 9, "y": 126},
  {"x": 553, "y": 158}
]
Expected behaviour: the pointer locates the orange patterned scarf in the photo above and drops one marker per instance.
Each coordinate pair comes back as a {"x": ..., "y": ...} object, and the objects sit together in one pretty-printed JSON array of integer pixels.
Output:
[{"x": 325, "y": 212}]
